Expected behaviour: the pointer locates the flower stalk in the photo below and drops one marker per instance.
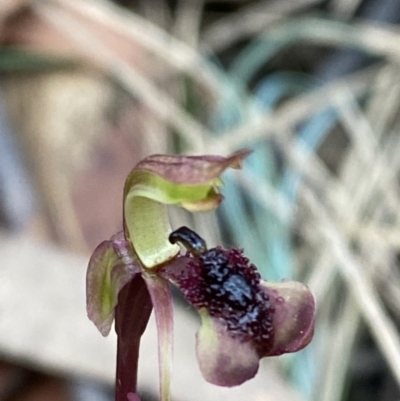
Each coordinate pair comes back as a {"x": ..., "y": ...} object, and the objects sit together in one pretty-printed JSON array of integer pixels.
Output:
[{"x": 129, "y": 325}]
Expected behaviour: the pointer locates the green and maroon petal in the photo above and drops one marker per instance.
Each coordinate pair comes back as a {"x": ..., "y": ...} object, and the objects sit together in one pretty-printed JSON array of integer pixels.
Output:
[{"x": 110, "y": 268}]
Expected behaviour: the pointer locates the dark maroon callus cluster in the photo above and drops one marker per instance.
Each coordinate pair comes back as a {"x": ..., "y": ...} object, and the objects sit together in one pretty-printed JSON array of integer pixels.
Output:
[{"x": 224, "y": 282}]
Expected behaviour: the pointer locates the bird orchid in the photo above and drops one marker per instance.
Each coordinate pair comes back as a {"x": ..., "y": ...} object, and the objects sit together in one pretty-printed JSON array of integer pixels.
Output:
[{"x": 243, "y": 318}]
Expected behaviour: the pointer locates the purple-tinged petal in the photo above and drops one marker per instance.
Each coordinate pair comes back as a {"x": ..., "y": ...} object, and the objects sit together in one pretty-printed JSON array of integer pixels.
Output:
[
  {"x": 293, "y": 318},
  {"x": 224, "y": 360},
  {"x": 163, "y": 308},
  {"x": 110, "y": 268}
]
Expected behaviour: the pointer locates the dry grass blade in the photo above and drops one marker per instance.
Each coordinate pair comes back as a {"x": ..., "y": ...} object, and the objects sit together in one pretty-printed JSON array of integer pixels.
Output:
[
  {"x": 188, "y": 19},
  {"x": 171, "y": 50},
  {"x": 378, "y": 39},
  {"x": 362, "y": 188},
  {"x": 345, "y": 8},
  {"x": 392, "y": 292},
  {"x": 382, "y": 176},
  {"x": 293, "y": 112},
  {"x": 155, "y": 132},
  {"x": 380, "y": 324},
  {"x": 339, "y": 353},
  {"x": 250, "y": 21},
  {"x": 322, "y": 276},
  {"x": 157, "y": 12},
  {"x": 382, "y": 107},
  {"x": 347, "y": 208},
  {"x": 265, "y": 193},
  {"x": 133, "y": 81},
  {"x": 373, "y": 232}
]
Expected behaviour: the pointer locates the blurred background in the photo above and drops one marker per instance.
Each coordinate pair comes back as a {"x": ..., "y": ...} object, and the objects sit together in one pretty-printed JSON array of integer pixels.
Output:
[{"x": 89, "y": 87}]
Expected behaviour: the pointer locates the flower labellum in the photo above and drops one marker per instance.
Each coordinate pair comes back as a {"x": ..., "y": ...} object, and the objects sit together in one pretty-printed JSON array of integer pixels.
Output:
[{"x": 243, "y": 317}]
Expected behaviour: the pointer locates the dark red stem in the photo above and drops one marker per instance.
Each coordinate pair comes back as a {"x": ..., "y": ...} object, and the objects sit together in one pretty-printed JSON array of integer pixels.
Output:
[{"x": 131, "y": 317}]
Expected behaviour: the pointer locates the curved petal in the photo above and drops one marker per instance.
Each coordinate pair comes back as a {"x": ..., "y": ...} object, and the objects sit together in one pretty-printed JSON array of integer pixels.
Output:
[
  {"x": 109, "y": 269},
  {"x": 163, "y": 309},
  {"x": 224, "y": 360},
  {"x": 189, "y": 181},
  {"x": 293, "y": 317}
]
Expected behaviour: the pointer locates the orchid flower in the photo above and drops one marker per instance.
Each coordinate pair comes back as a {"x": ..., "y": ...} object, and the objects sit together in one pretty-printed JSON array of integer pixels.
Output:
[{"x": 243, "y": 318}]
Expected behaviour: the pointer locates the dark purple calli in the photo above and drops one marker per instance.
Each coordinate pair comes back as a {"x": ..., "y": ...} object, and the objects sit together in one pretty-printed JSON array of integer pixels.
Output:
[{"x": 243, "y": 317}]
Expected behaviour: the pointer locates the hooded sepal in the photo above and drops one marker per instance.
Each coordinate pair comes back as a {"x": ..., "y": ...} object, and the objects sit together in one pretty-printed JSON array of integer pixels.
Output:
[
  {"x": 188, "y": 181},
  {"x": 110, "y": 268}
]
